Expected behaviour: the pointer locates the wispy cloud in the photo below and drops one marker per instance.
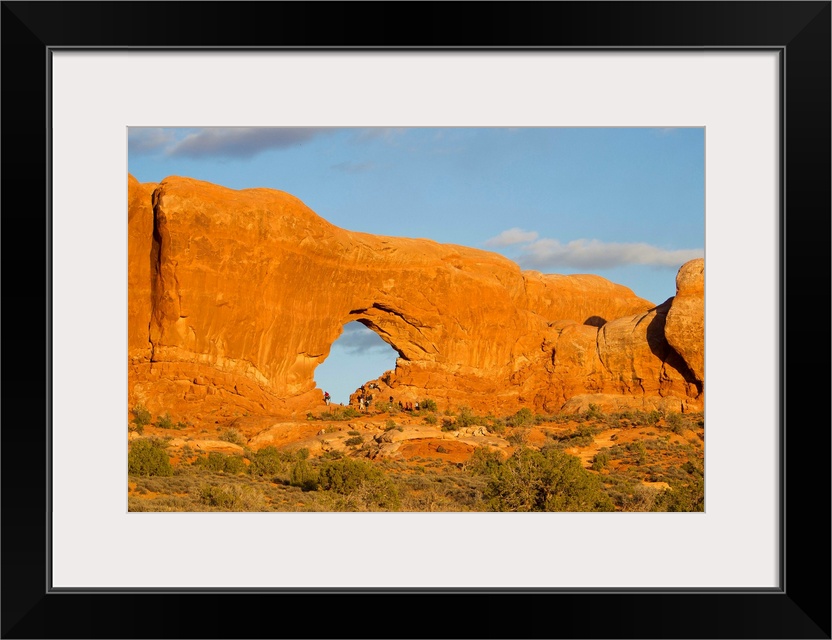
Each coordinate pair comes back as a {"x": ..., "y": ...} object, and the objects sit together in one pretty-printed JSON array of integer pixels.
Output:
[
  {"x": 358, "y": 339},
  {"x": 594, "y": 254},
  {"x": 242, "y": 142},
  {"x": 147, "y": 140},
  {"x": 239, "y": 142},
  {"x": 548, "y": 253},
  {"x": 511, "y": 236},
  {"x": 388, "y": 134}
]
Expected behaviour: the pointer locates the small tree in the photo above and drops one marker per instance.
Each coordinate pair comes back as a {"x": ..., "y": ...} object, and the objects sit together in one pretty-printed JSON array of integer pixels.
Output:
[
  {"x": 165, "y": 421},
  {"x": 148, "y": 457},
  {"x": 141, "y": 418},
  {"x": 546, "y": 480},
  {"x": 304, "y": 475}
]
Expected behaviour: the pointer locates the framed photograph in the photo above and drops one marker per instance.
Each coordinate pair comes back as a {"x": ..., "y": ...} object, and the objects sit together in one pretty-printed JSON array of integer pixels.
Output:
[{"x": 88, "y": 84}]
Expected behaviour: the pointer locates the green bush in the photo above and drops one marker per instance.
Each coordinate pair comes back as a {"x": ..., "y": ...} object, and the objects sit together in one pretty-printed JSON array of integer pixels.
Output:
[
  {"x": 601, "y": 460},
  {"x": 362, "y": 480},
  {"x": 339, "y": 415},
  {"x": 351, "y": 442},
  {"x": 522, "y": 418},
  {"x": 518, "y": 438},
  {"x": 148, "y": 457},
  {"x": 427, "y": 405},
  {"x": 304, "y": 475},
  {"x": 546, "y": 480},
  {"x": 677, "y": 423},
  {"x": 639, "y": 449},
  {"x": 484, "y": 461},
  {"x": 230, "y": 497},
  {"x": 141, "y": 418},
  {"x": 219, "y": 462},
  {"x": 269, "y": 461},
  {"x": 496, "y": 426},
  {"x": 449, "y": 425},
  {"x": 593, "y": 413},
  {"x": 687, "y": 494},
  {"x": 431, "y": 419},
  {"x": 233, "y": 436},
  {"x": 164, "y": 422},
  {"x": 466, "y": 418},
  {"x": 356, "y": 433}
]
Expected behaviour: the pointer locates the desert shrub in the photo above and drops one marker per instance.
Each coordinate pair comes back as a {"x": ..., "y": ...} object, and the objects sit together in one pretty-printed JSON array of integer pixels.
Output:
[
  {"x": 518, "y": 438},
  {"x": 427, "y": 404},
  {"x": 269, "y": 461},
  {"x": 640, "y": 498},
  {"x": 390, "y": 424},
  {"x": 303, "y": 475},
  {"x": 351, "y": 442},
  {"x": 362, "y": 480},
  {"x": 601, "y": 460},
  {"x": 646, "y": 418},
  {"x": 484, "y": 461},
  {"x": 593, "y": 412},
  {"x": 466, "y": 418},
  {"x": 637, "y": 447},
  {"x": 546, "y": 480},
  {"x": 229, "y": 497},
  {"x": 357, "y": 433},
  {"x": 687, "y": 494},
  {"x": 449, "y": 425},
  {"x": 580, "y": 437},
  {"x": 141, "y": 418},
  {"x": 221, "y": 463},
  {"x": 676, "y": 422},
  {"x": 339, "y": 414},
  {"x": 233, "y": 436},
  {"x": 430, "y": 419},
  {"x": 165, "y": 421},
  {"x": 496, "y": 426},
  {"x": 148, "y": 457},
  {"x": 441, "y": 449},
  {"x": 522, "y": 418}
]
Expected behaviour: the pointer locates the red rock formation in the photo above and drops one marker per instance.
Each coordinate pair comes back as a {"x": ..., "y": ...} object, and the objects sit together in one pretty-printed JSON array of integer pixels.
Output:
[
  {"x": 685, "y": 329},
  {"x": 236, "y": 297}
]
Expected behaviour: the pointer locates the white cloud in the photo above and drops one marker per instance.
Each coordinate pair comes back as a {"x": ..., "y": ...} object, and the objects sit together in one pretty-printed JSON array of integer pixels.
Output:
[
  {"x": 241, "y": 142},
  {"x": 146, "y": 140},
  {"x": 511, "y": 236},
  {"x": 593, "y": 254},
  {"x": 358, "y": 339}
]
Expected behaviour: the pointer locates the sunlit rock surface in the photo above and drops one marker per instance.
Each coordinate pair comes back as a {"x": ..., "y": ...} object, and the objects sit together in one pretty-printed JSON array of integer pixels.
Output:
[{"x": 236, "y": 296}]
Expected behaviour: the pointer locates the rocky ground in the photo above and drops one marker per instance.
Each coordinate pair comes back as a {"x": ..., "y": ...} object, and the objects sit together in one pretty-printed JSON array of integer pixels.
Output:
[{"x": 632, "y": 451}]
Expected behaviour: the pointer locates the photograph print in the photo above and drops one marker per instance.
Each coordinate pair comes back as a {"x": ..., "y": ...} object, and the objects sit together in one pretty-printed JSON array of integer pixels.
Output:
[{"x": 416, "y": 319}]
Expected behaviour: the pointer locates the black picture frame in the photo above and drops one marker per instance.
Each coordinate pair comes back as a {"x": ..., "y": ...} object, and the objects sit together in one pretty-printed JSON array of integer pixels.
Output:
[{"x": 799, "y": 31}]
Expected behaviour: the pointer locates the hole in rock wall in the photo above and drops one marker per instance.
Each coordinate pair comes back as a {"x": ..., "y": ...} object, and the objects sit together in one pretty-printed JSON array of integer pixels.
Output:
[{"x": 356, "y": 357}]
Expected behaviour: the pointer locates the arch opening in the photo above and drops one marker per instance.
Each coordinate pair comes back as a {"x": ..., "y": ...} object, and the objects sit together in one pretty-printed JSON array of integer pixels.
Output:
[{"x": 356, "y": 357}]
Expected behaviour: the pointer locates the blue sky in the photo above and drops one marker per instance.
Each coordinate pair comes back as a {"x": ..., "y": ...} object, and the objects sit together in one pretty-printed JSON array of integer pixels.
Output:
[{"x": 627, "y": 204}]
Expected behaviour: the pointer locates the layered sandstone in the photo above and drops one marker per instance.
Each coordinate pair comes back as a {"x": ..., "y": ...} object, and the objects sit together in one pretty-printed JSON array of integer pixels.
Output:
[{"x": 237, "y": 296}]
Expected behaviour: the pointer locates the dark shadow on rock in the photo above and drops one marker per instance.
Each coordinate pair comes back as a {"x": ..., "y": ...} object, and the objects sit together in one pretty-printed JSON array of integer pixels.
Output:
[
  {"x": 595, "y": 321},
  {"x": 660, "y": 347}
]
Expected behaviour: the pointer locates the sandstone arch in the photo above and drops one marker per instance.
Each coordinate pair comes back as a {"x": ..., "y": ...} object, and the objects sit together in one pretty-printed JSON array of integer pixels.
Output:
[{"x": 235, "y": 297}]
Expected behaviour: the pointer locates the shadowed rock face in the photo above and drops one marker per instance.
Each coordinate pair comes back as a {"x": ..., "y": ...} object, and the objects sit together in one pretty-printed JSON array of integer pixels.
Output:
[{"x": 236, "y": 296}]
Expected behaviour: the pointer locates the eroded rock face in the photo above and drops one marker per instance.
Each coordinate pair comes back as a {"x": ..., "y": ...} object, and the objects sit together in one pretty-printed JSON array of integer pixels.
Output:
[
  {"x": 236, "y": 297},
  {"x": 685, "y": 330}
]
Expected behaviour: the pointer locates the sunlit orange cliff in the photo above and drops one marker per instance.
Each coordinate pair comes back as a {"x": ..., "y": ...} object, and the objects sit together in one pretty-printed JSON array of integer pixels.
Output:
[{"x": 236, "y": 296}]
